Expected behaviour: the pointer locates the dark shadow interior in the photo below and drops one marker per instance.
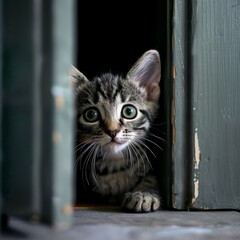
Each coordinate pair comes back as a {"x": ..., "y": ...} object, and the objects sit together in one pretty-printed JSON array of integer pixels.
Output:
[{"x": 111, "y": 37}]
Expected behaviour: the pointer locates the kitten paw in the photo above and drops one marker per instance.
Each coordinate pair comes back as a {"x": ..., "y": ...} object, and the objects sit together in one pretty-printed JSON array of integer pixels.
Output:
[{"x": 140, "y": 202}]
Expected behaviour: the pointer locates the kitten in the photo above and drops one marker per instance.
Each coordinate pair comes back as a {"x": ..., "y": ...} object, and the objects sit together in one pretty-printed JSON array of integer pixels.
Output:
[{"x": 114, "y": 118}]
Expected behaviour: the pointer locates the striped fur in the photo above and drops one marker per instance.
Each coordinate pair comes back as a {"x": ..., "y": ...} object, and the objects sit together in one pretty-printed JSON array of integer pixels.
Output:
[{"x": 114, "y": 117}]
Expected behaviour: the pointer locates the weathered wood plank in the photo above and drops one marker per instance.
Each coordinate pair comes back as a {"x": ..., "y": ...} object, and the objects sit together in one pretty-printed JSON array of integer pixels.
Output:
[
  {"x": 57, "y": 102},
  {"x": 181, "y": 153},
  {"x": 215, "y": 103},
  {"x": 17, "y": 118},
  {"x": 206, "y": 132},
  {"x": 38, "y": 48}
]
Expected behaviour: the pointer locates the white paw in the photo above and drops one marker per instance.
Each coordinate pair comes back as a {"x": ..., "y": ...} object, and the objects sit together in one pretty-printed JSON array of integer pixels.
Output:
[{"x": 141, "y": 202}]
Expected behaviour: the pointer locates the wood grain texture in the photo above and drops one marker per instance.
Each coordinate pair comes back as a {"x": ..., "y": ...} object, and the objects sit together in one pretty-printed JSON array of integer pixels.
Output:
[
  {"x": 206, "y": 98},
  {"x": 215, "y": 73}
]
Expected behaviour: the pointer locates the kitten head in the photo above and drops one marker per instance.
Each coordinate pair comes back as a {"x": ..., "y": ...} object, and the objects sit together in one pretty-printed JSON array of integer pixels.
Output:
[{"x": 115, "y": 112}]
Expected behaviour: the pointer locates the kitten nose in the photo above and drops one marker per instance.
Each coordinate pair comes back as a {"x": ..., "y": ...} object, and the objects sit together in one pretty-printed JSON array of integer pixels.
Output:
[{"x": 112, "y": 133}]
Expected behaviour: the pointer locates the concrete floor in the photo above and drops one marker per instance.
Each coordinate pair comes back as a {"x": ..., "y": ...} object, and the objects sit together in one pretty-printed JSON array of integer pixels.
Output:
[{"x": 111, "y": 224}]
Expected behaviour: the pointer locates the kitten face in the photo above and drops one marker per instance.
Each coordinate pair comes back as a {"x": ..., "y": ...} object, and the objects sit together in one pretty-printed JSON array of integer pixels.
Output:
[
  {"x": 115, "y": 116},
  {"x": 116, "y": 112}
]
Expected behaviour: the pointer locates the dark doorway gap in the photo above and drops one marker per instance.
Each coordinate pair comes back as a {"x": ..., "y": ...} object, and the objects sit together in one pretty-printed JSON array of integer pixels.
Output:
[{"x": 111, "y": 37}]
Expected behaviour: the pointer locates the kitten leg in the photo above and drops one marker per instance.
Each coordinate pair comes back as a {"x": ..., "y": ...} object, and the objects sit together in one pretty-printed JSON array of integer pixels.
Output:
[{"x": 145, "y": 196}]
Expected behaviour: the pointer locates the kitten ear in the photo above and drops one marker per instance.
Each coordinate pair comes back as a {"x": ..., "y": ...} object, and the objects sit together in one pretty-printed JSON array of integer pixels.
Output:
[
  {"x": 146, "y": 72},
  {"x": 77, "y": 79}
]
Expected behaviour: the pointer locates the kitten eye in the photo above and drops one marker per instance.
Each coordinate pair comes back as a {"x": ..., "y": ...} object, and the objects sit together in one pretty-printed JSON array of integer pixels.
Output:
[
  {"x": 91, "y": 115},
  {"x": 129, "y": 112}
]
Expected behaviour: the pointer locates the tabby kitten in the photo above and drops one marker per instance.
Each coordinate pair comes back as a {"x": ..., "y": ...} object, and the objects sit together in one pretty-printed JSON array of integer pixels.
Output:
[{"x": 114, "y": 118}]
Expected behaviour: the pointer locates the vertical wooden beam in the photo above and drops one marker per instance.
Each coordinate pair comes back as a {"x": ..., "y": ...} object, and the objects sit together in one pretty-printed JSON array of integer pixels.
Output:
[
  {"x": 206, "y": 133},
  {"x": 57, "y": 140},
  {"x": 17, "y": 118},
  {"x": 181, "y": 120},
  {"x": 37, "y": 119}
]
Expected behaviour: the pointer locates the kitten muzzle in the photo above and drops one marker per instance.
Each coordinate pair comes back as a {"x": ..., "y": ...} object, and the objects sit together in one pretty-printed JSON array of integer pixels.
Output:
[{"x": 112, "y": 133}]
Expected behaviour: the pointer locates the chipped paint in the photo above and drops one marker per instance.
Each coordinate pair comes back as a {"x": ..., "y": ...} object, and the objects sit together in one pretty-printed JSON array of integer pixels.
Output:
[
  {"x": 174, "y": 72},
  {"x": 67, "y": 209},
  {"x": 59, "y": 99},
  {"x": 197, "y": 157},
  {"x": 56, "y": 137},
  {"x": 59, "y": 102},
  {"x": 197, "y": 150}
]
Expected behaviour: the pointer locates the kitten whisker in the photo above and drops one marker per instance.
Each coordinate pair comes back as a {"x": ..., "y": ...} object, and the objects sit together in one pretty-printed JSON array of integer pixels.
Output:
[
  {"x": 158, "y": 124},
  {"x": 137, "y": 146},
  {"x": 129, "y": 151},
  {"x": 139, "y": 143},
  {"x": 160, "y": 138},
  {"x": 93, "y": 164},
  {"x": 146, "y": 139},
  {"x": 80, "y": 146},
  {"x": 86, "y": 163},
  {"x": 133, "y": 148},
  {"x": 146, "y": 146},
  {"x": 85, "y": 150},
  {"x": 103, "y": 158}
]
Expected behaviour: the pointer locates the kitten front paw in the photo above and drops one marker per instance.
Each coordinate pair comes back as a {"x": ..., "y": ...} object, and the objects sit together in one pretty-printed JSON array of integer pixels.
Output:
[{"x": 140, "y": 202}]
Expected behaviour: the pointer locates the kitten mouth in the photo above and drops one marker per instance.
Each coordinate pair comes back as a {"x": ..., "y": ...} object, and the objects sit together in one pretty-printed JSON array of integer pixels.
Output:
[{"x": 114, "y": 142}]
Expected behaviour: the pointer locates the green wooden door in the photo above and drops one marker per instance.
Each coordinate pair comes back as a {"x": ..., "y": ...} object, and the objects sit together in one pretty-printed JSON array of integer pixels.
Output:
[
  {"x": 206, "y": 113},
  {"x": 37, "y": 110}
]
